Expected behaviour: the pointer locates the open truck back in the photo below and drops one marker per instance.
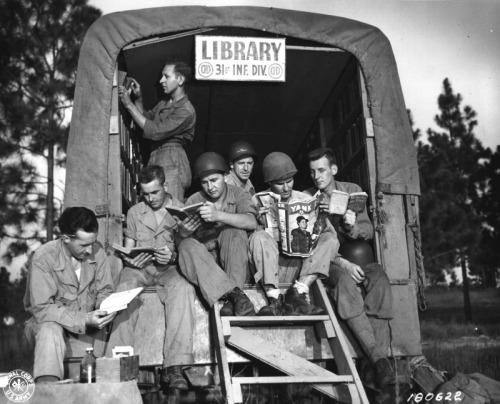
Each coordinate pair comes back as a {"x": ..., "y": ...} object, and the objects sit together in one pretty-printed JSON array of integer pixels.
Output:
[{"x": 341, "y": 91}]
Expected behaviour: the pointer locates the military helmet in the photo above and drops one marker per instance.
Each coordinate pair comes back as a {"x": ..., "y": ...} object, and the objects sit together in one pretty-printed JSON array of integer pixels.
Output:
[
  {"x": 358, "y": 252},
  {"x": 209, "y": 163},
  {"x": 278, "y": 166},
  {"x": 239, "y": 150}
]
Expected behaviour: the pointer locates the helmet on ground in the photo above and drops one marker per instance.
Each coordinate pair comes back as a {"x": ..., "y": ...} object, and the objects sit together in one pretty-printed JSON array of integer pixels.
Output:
[
  {"x": 359, "y": 252},
  {"x": 239, "y": 150},
  {"x": 278, "y": 166},
  {"x": 209, "y": 163}
]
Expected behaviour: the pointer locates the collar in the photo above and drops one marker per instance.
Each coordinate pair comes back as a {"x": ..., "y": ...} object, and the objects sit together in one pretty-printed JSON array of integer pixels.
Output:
[
  {"x": 177, "y": 103},
  {"x": 61, "y": 259},
  {"x": 148, "y": 217}
]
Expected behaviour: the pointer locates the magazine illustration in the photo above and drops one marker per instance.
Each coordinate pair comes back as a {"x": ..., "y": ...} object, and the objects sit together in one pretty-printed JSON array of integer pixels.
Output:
[{"x": 299, "y": 226}]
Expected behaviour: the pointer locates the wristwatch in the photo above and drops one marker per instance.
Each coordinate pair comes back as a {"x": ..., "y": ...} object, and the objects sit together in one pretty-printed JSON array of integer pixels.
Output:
[{"x": 173, "y": 258}]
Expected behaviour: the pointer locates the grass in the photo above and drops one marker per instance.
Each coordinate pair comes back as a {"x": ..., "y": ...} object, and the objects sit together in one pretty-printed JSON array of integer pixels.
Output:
[{"x": 453, "y": 345}]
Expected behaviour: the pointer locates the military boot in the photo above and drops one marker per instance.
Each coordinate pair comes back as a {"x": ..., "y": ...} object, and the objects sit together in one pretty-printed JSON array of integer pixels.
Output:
[
  {"x": 173, "y": 377},
  {"x": 296, "y": 304},
  {"x": 274, "y": 308}
]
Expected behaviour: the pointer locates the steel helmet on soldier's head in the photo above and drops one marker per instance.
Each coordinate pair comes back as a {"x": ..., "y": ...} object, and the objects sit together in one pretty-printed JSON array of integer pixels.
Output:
[
  {"x": 239, "y": 150},
  {"x": 209, "y": 163},
  {"x": 278, "y": 166}
]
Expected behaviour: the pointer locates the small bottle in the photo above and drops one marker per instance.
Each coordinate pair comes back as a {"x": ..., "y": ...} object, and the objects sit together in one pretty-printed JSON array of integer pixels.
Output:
[{"x": 87, "y": 367}]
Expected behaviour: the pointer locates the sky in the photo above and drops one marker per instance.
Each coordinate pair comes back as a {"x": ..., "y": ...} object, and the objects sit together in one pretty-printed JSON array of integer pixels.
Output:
[{"x": 431, "y": 40}]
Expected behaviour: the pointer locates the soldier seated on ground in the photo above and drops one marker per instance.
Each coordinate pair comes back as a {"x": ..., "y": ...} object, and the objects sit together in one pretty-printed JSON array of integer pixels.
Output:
[
  {"x": 272, "y": 267},
  {"x": 68, "y": 279},
  {"x": 242, "y": 158},
  {"x": 217, "y": 234},
  {"x": 149, "y": 224},
  {"x": 367, "y": 317}
]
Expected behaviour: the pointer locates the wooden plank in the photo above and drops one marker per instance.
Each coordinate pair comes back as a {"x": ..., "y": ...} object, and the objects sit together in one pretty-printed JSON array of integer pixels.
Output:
[
  {"x": 280, "y": 359},
  {"x": 220, "y": 350},
  {"x": 271, "y": 320},
  {"x": 333, "y": 378},
  {"x": 343, "y": 360}
]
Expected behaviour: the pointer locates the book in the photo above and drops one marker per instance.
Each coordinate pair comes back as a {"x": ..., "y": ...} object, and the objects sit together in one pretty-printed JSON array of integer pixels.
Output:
[
  {"x": 269, "y": 200},
  {"x": 119, "y": 300},
  {"x": 341, "y": 201},
  {"x": 300, "y": 225},
  {"x": 183, "y": 212},
  {"x": 134, "y": 251}
]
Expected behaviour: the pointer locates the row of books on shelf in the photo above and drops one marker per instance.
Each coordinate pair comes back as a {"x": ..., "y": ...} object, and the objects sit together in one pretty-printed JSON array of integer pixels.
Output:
[{"x": 128, "y": 183}]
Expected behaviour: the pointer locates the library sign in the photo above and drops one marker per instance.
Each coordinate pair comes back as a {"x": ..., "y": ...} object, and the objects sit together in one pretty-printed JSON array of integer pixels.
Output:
[{"x": 231, "y": 58}]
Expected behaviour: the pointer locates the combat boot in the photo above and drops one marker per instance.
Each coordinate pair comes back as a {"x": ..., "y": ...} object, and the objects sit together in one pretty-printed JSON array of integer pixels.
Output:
[
  {"x": 274, "y": 308},
  {"x": 241, "y": 303},
  {"x": 384, "y": 372},
  {"x": 173, "y": 377},
  {"x": 296, "y": 304}
]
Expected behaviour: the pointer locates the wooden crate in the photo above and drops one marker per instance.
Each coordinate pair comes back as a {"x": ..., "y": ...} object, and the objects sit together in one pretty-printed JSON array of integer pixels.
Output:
[{"x": 117, "y": 369}]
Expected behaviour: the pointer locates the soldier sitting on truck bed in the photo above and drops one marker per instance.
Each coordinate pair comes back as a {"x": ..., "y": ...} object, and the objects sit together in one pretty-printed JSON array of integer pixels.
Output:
[
  {"x": 68, "y": 278},
  {"x": 170, "y": 124},
  {"x": 218, "y": 234},
  {"x": 150, "y": 225},
  {"x": 271, "y": 266},
  {"x": 367, "y": 317},
  {"x": 241, "y": 161}
]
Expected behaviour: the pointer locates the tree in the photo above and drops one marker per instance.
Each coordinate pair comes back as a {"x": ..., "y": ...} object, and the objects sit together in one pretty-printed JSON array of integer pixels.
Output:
[
  {"x": 451, "y": 171},
  {"x": 40, "y": 42},
  {"x": 486, "y": 259}
]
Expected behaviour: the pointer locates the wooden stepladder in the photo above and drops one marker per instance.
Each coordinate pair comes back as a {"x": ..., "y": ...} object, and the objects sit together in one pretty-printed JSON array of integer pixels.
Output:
[{"x": 344, "y": 387}]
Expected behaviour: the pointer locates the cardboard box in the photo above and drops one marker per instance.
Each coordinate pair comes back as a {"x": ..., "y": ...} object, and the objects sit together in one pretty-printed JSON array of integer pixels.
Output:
[{"x": 117, "y": 369}]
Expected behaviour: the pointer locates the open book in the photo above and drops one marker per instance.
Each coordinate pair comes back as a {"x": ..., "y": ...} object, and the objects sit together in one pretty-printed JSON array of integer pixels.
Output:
[
  {"x": 182, "y": 213},
  {"x": 341, "y": 201},
  {"x": 133, "y": 252},
  {"x": 119, "y": 300}
]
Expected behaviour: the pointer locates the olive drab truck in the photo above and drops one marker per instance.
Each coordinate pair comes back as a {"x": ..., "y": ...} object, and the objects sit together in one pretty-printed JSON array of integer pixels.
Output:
[{"x": 284, "y": 81}]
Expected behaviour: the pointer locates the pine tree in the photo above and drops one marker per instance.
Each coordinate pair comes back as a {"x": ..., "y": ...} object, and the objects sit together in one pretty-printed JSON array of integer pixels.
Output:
[
  {"x": 40, "y": 42},
  {"x": 450, "y": 165}
]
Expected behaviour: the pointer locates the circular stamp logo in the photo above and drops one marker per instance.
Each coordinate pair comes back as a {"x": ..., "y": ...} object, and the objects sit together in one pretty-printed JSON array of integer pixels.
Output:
[
  {"x": 275, "y": 71},
  {"x": 205, "y": 69},
  {"x": 20, "y": 386}
]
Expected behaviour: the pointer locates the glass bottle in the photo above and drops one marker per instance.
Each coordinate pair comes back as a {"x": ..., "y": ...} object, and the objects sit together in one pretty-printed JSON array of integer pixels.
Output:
[{"x": 88, "y": 366}]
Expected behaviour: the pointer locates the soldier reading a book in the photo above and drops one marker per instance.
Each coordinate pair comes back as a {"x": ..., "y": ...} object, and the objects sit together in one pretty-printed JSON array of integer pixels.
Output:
[
  {"x": 271, "y": 266},
  {"x": 150, "y": 225},
  {"x": 368, "y": 317}
]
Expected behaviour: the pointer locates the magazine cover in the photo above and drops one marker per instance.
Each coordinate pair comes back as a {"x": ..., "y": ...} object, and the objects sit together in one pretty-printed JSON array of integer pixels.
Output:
[{"x": 299, "y": 227}]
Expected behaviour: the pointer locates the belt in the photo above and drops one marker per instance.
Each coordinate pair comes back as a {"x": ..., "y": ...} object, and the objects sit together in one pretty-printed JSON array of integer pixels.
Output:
[{"x": 169, "y": 144}]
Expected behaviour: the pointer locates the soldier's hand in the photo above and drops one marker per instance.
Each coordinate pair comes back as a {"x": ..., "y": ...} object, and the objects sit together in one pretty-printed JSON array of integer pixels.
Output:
[
  {"x": 324, "y": 206},
  {"x": 189, "y": 225},
  {"x": 139, "y": 261},
  {"x": 98, "y": 318},
  {"x": 349, "y": 219},
  {"x": 356, "y": 272},
  {"x": 163, "y": 255},
  {"x": 135, "y": 87},
  {"x": 209, "y": 212},
  {"x": 124, "y": 96}
]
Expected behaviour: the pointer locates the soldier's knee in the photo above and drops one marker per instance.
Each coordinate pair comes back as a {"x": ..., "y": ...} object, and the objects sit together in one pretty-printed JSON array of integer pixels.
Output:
[{"x": 49, "y": 329}]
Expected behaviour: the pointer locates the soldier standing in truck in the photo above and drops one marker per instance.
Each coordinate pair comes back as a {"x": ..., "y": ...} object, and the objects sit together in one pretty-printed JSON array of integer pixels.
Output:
[{"x": 169, "y": 125}]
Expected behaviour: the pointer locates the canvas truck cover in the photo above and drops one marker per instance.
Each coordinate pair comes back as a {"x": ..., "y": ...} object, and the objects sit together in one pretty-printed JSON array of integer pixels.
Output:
[{"x": 87, "y": 159}]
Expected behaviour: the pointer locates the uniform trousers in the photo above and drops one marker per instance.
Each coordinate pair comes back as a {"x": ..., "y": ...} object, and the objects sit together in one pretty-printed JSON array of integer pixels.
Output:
[
  {"x": 273, "y": 268},
  {"x": 177, "y": 295},
  {"x": 200, "y": 266}
]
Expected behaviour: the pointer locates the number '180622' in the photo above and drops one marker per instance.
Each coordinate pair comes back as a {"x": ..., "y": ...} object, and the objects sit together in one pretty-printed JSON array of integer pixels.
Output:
[{"x": 418, "y": 397}]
